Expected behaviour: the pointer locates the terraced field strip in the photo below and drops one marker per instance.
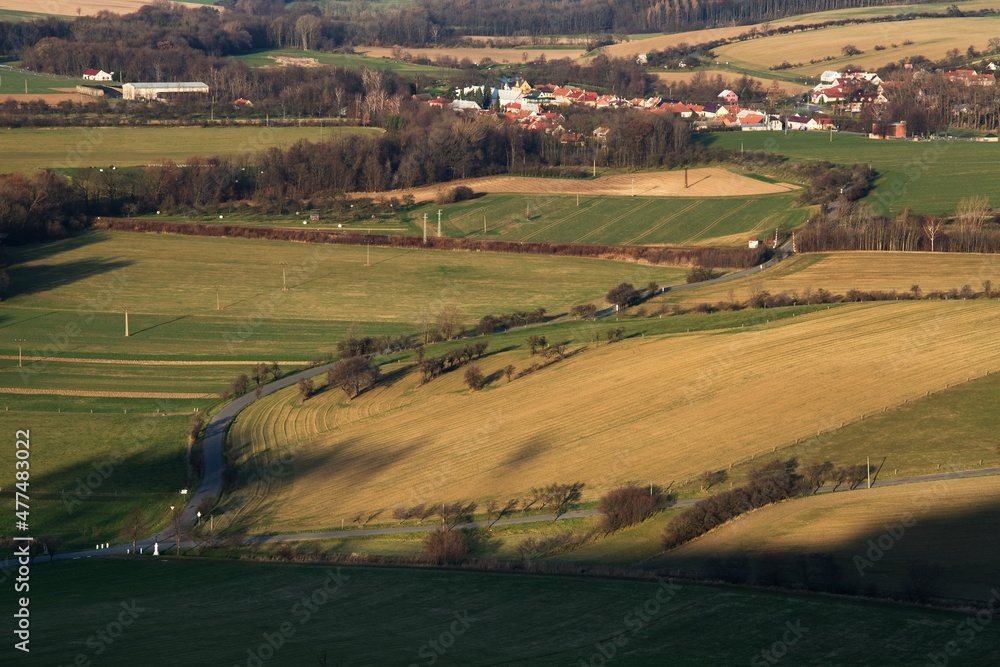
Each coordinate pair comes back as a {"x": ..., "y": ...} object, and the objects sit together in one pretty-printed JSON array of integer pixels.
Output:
[
  {"x": 146, "y": 362},
  {"x": 954, "y": 524},
  {"x": 705, "y": 404},
  {"x": 29, "y": 391},
  {"x": 111, "y": 379},
  {"x": 839, "y": 272}
]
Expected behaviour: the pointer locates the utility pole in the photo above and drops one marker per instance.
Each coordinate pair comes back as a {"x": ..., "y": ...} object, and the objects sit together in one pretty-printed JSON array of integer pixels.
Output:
[
  {"x": 218, "y": 305},
  {"x": 439, "y": 223},
  {"x": 633, "y": 186},
  {"x": 685, "y": 178},
  {"x": 368, "y": 256},
  {"x": 869, "y": 472},
  {"x": 425, "y": 229},
  {"x": 126, "y": 323},
  {"x": 527, "y": 209},
  {"x": 484, "y": 223},
  {"x": 20, "y": 342},
  {"x": 284, "y": 284}
]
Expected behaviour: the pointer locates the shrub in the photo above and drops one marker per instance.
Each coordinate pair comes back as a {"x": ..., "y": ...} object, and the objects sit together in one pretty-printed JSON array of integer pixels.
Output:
[
  {"x": 700, "y": 273},
  {"x": 629, "y": 505},
  {"x": 455, "y": 194},
  {"x": 446, "y": 547},
  {"x": 474, "y": 378}
]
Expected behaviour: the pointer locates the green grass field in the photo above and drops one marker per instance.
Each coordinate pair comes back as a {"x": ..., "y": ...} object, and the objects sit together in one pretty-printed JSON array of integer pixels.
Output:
[
  {"x": 612, "y": 220},
  {"x": 12, "y": 83},
  {"x": 68, "y": 296},
  {"x": 88, "y": 470},
  {"x": 264, "y": 59},
  {"x": 928, "y": 177},
  {"x": 389, "y": 616},
  {"x": 28, "y": 149}
]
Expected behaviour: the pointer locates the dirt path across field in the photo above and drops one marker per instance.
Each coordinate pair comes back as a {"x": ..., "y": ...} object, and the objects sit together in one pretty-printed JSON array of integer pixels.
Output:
[{"x": 706, "y": 182}]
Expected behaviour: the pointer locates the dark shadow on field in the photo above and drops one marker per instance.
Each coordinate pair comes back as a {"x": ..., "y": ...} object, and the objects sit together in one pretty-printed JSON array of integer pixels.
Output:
[
  {"x": 346, "y": 464},
  {"x": 955, "y": 556},
  {"x": 86, "y": 502},
  {"x": 527, "y": 453},
  {"x": 34, "y": 252},
  {"x": 159, "y": 324},
  {"x": 35, "y": 277},
  {"x": 26, "y": 319}
]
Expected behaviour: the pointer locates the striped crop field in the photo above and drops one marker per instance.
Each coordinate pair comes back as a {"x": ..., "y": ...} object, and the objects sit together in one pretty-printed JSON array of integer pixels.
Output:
[
  {"x": 655, "y": 409},
  {"x": 614, "y": 220},
  {"x": 839, "y": 272},
  {"x": 951, "y": 525}
]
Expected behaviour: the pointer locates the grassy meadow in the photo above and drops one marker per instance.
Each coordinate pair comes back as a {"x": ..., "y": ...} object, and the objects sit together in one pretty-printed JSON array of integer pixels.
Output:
[
  {"x": 89, "y": 470},
  {"x": 269, "y": 58},
  {"x": 29, "y": 149},
  {"x": 705, "y": 403},
  {"x": 237, "y": 603},
  {"x": 951, "y": 527},
  {"x": 12, "y": 83},
  {"x": 69, "y": 295},
  {"x": 928, "y": 177}
]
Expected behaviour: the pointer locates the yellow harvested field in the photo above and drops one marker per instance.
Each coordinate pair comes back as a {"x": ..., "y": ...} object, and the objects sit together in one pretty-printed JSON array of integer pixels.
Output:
[
  {"x": 51, "y": 99},
  {"x": 685, "y": 76},
  {"x": 838, "y": 272},
  {"x": 660, "y": 42},
  {"x": 931, "y": 38},
  {"x": 84, "y": 7},
  {"x": 954, "y": 523},
  {"x": 654, "y": 409},
  {"x": 475, "y": 54},
  {"x": 707, "y": 182}
]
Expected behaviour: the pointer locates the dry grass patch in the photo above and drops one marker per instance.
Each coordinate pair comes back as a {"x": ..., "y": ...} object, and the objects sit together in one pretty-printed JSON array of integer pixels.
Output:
[
  {"x": 706, "y": 182},
  {"x": 839, "y": 272},
  {"x": 653, "y": 410},
  {"x": 954, "y": 524},
  {"x": 676, "y": 76}
]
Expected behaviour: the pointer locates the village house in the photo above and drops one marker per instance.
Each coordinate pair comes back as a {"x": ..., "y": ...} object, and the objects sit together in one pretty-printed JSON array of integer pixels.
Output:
[
  {"x": 888, "y": 130},
  {"x": 971, "y": 78},
  {"x": 796, "y": 122},
  {"x": 729, "y": 97},
  {"x": 98, "y": 75}
]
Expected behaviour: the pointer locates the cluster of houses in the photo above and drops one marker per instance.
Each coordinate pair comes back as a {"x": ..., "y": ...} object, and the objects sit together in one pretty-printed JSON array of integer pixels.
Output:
[{"x": 536, "y": 108}]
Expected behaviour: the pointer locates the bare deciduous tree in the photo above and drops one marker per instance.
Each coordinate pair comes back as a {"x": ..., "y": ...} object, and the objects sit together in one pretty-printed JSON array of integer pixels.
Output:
[{"x": 134, "y": 526}]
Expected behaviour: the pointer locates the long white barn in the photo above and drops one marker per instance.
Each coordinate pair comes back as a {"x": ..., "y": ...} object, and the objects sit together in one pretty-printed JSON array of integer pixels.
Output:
[{"x": 151, "y": 91}]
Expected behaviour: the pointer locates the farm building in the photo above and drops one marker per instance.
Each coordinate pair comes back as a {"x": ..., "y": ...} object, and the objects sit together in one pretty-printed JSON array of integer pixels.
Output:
[
  {"x": 98, "y": 75},
  {"x": 152, "y": 91},
  {"x": 888, "y": 130},
  {"x": 754, "y": 243}
]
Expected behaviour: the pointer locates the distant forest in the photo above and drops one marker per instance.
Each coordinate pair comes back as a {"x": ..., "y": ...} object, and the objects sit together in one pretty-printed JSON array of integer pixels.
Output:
[{"x": 249, "y": 25}]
